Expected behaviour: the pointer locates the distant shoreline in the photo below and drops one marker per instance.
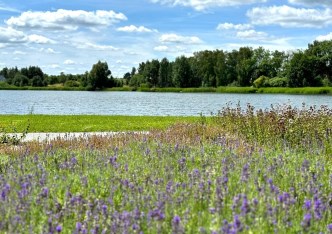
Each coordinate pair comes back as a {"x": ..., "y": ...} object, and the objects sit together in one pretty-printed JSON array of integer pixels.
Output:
[{"x": 267, "y": 90}]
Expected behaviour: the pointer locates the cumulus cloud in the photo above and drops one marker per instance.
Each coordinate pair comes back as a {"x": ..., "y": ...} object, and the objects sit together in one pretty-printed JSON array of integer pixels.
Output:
[
  {"x": 69, "y": 62},
  {"x": 89, "y": 45},
  {"x": 312, "y": 2},
  {"x": 174, "y": 38},
  {"x": 201, "y": 5},
  {"x": 39, "y": 39},
  {"x": 252, "y": 35},
  {"x": 133, "y": 28},
  {"x": 162, "y": 48},
  {"x": 65, "y": 19},
  {"x": 13, "y": 36},
  {"x": 286, "y": 16},
  {"x": 324, "y": 37},
  {"x": 230, "y": 26},
  {"x": 10, "y": 35},
  {"x": 47, "y": 50}
]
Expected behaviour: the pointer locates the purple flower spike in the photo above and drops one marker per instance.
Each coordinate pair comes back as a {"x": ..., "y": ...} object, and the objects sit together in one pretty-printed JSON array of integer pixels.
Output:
[
  {"x": 176, "y": 220},
  {"x": 237, "y": 226},
  {"x": 307, "y": 204},
  {"x": 245, "y": 208},
  {"x": 329, "y": 227},
  {"x": 58, "y": 228},
  {"x": 78, "y": 226},
  {"x": 306, "y": 221}
]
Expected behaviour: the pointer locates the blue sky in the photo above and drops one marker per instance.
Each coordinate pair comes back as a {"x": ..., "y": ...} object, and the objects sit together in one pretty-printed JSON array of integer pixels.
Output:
[{"x": 70, "y": 36}]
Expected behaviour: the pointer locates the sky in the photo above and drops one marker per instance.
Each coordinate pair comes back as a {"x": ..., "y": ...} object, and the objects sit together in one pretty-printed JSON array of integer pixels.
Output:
[{"x": 70, "y": 36}]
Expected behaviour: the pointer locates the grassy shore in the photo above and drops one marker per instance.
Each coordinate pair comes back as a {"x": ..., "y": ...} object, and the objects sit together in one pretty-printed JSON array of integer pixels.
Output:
[
  {"x": 88, "y": 123},
  {"x": 221, "y": 89}
]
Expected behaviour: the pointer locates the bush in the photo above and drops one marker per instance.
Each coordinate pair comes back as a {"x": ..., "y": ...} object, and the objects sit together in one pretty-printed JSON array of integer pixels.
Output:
[
  {"x": 277, "y": 82},
  {"x": 72, "y": 83},
  {"x": 261, "y": 81}
]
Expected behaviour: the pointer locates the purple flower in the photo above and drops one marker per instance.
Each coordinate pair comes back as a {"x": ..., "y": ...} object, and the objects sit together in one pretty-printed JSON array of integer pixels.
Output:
[
  {"x": 329, "y": 227},
  {"x": 176, "y": 220},
  {"x": 318, "y": 207},
  {"x": 78, "y": 226},
  {"x": 245, "y": 173},
  {"x": 306, "y": 221},
  {"x": 104, "y": 209},
  {"x": 58, "y": 228},
  {"x": 135, "y": 226},
  {"x": 45, "y": 192},
  {"x": 245, "y": 208},
  {"x": 307, "y": 205},
  {"x": 237, "y": 226}
]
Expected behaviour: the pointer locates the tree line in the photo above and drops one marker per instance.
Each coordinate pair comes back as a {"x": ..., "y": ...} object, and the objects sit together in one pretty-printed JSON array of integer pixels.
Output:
[
  {"x": 243, "y": 67},
  {"x": 99, "y": 77}
]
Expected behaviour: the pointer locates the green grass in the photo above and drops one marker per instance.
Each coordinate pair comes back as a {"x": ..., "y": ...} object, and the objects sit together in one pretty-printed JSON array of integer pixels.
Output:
[
  {"x": 221, "y": 89},
  {"x": 88, "y": 123},
  {"x": 303, "y": 90}
]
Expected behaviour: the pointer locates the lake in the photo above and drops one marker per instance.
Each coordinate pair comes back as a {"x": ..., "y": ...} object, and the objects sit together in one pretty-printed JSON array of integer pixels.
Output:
[{"x": 141, "y": 103}]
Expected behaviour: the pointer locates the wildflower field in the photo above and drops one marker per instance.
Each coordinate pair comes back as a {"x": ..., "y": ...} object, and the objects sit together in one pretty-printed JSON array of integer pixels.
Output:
[{"x": 242, "y": 171}]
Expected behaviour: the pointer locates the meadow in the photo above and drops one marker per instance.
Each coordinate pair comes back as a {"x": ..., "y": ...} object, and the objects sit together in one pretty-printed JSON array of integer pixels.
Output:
[{"x": 240, "y": 171}]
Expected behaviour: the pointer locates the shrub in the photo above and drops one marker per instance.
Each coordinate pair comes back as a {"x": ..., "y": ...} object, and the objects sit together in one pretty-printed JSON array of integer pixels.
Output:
[
  {"x": 261, "y": 81},
  {"x": 277, "y": 82}
]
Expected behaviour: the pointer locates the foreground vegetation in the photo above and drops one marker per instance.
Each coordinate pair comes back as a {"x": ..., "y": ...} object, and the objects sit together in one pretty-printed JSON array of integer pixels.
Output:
[{"x": 242, "y": 171}]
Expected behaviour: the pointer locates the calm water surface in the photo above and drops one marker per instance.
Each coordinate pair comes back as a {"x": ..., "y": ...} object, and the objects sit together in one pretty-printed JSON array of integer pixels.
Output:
[{"x": 141, "y": 103}]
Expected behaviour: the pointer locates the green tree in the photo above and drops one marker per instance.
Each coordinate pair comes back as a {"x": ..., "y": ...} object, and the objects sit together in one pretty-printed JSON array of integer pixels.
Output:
[
  {"x": 245, "y": 66},
  {"x": 165, "y": 76},
  {"x": 301, "y": 70},
  {"x": 322, "y": 53},
  {"x": 99, "y": 76},
  {"x": 20, "y": 80},
  {"x": 182, "y": 73},
  {"x": 37, "y": 81}
]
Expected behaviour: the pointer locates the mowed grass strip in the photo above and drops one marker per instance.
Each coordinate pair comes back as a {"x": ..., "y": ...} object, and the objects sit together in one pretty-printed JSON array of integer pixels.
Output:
[{"x": 88, "y": 123}]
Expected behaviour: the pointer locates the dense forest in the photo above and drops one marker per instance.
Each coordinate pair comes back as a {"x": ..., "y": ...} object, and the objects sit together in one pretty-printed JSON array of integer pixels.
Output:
[{"x": 243, "y": 67}]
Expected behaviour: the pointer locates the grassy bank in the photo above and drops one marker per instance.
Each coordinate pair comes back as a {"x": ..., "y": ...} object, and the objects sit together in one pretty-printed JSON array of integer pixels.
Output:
[
  {"x": 221, "y": 89},
  {"x": 87, "y": 123},
  {"x": 248, "y": 172}
]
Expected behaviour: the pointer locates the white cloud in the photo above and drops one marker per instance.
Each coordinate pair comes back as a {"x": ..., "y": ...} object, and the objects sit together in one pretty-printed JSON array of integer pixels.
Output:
[
  {"x": 133, "y": 28},
  {"x": 230, "y": 26},
  {"x": 312, "y": 2},
  {"x": 286, "y": 16},
  {"x": 13, "y": 36},
  {"x": 47, "y": 50},
  {"x": 174, "y": 38},
  {"x": 69, "y": 62},
  {"x": 324, "y": 37},
  {"x": 161, "y": 48},
  {"x": 89, "y": 45},
  {"x": 252, "y": 35},
  {"x": 201, "y": 5},
  {"x": 39, "y": 39},
  {"x": 53, "y": 66},
  {"x": 65, "y": 19},
  {"x": 18, "y": 52},
  {"x": 10, "y": 35}
]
